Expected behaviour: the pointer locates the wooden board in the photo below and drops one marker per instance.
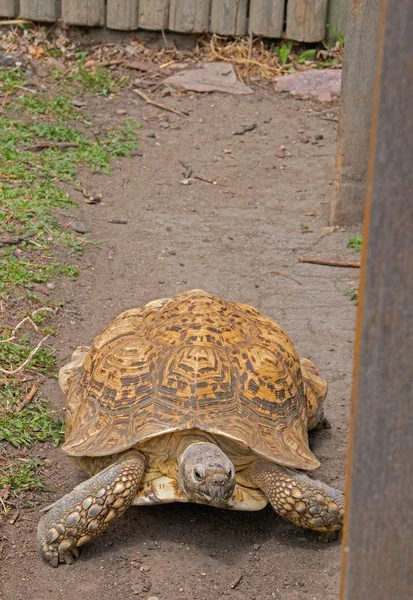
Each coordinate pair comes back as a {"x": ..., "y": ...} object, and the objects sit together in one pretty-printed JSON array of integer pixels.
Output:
[
  {"x": 153, "y": 14},
  {"x": 122, "y": 14},
  {"x": 38, "y": 10},
  {"x": 189, "y": 16},
  {"x": 229, "y": 17},
  {"x": 336, "y": 19},
  {"x": 7, "y": 8},
  {"x": 266, "y": 18},
  {"x": 84, "y": 12},
  {"x": 306, "y": 20},
  {"x": 377, "y": 545},
  {"x": 359, "y": 68}
]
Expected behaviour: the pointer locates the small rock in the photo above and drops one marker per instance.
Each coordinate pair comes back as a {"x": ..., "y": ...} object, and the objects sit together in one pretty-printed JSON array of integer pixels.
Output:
[
  {"x": 50, "y": 285},
  {"x": 151, "y": 135},
  {"x": 186, "y": 181},
  {"x": 79, "y": 227},
  {"x": 153, "y": 598},
  {"x": 10, "y": 59},
  {"x": 121, "y": 111},
  {"x": 304, "y": 139},
  {"x": 319, "y": 136},
  {"x": 38, "y": 68},
  {"x": 257, "y": 546},
  {"x": 47, "y": 463},
  {"x": 78, "y": 103},
  {"x": 164, "y": 124}
]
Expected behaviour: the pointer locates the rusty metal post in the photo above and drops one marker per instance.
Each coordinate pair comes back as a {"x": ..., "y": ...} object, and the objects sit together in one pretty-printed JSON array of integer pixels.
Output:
[{"x": 378, "y": 537}]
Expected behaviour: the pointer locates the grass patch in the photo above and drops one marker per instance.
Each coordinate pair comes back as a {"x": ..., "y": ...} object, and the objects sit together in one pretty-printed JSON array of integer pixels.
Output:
[
  {"x": 33, "y": 424},
  {"x": 59, "y": 108},
  {"x": 29, "y": 199},
  {"x": 22, "y": 476},
  {"x": 355, "y": 242}
]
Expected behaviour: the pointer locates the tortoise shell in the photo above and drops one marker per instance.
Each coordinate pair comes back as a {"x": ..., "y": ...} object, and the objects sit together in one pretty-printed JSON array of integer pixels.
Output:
[{"x": 193, "y": 361}]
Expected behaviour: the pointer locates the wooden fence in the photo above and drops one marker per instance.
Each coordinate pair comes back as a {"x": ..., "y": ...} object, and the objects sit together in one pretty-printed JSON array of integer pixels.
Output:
[{"x": 301, "y": 20}]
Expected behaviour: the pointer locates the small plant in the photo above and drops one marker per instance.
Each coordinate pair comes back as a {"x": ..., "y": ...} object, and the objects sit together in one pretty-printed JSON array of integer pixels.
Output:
[
  {"x": 356, "y": 243},
  {"x": 306, "y": 55},
  {"x": 352, "y": 293},
  {"x": 283, "y": 52}
]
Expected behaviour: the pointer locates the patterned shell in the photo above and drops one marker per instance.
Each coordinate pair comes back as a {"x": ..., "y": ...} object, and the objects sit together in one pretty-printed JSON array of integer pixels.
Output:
[{"x": 193, "y": 361}]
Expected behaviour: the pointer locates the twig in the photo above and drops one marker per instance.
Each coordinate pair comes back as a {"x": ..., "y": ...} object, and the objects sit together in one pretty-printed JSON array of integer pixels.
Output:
[
  {"x": 246, "y": 128},
  {"x": 28, "y": 359},
  {"x": 208, "y": 180},
  {"x": 28, "y": 398},
  {"x": 236, "y": 582},
  {"x": 159, "y": 105},
  {"x": 45, "y": 145},
  {"x": 17, "y": 22},
  {"x": 286, "y": 276},
  {"x": 330, "y": 262}
]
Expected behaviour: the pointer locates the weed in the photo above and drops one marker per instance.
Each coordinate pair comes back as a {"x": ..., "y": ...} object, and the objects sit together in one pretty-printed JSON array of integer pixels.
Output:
[
  {"x": 356, "y": 243},
  {"x": 306, "y": 55},
  {"x": 283, "y": 52},
  {"x": 352, "y": 293}
]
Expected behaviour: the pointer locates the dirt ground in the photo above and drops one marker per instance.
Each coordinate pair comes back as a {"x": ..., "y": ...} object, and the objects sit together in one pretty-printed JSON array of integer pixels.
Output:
[{"x": 239, "y": 240}]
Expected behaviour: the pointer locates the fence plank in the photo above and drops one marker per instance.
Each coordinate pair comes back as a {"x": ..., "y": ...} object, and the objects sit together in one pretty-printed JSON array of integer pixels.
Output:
[
  {"x": 7, "y": 8},
  {"x": 378, "y": 549},
  {"x": 266, "y": 18},
  {"x": 122, "y": 14},
  {"x": 359, "y": 67},
  {"x": 189, "y": 16},
  {"x": 306, "y": 20},
  {"x": 84, "y": 12},
  {"x": 229, "y": 17},
  {"x": 153, "y": 14},
  {"x": 336, "y": 19},
  {"x": 38, "y": 10}
]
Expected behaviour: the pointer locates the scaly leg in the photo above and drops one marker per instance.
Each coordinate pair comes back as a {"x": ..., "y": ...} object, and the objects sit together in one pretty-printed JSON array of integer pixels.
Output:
[
  {"x": 87, "y": 510},
  {"x": 304, "y": 501}
]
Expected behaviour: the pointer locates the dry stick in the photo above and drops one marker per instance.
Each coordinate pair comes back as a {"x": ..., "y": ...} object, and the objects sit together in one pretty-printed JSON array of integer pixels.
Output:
[
  {"x": 330, "y": 262},
  {"x": 28, "y": 398},
  {"x": 208, "y": 180},
  {"x": 159, "y": 105},
  {"x": 28, "y": 359},
  {"x": 286, "y": 276},
  {"x": 45, "y": 145},
  {"x": 17, "y": 22}
]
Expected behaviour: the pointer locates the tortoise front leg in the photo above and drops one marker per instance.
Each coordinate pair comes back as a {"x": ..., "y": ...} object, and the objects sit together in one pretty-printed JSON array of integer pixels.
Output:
[
  {"x": 304, "y": 501},
  {"x": 87, "y": 510}
]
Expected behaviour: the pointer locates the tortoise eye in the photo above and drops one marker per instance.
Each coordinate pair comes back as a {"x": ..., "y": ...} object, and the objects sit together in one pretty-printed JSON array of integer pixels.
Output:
[{"x": 198, "y": 475}]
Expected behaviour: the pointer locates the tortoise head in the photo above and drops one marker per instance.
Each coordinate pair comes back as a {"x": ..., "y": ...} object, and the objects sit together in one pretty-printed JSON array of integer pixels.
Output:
[{"x": 206, "y": 474}]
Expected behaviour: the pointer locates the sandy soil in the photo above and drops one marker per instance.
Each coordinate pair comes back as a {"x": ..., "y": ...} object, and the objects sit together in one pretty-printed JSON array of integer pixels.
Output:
[{"x": 239, "y": 240}]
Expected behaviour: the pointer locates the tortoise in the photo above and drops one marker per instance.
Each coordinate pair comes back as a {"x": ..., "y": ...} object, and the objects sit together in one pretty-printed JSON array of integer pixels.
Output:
[{"x": 189, "y": 399}]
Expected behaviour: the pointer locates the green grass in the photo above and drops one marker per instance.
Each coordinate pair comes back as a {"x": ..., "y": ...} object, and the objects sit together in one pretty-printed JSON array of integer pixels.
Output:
[
  {"x": 11, "y": 80},
  {"x": 356, "y": 243},
  {"x": 22, "y": 476},
  {"x": 99, "y": 81},
  {"x": 59, "y": 108},
  {"x": 30, "y": 196},
  {"x": 32, "y": 424}
]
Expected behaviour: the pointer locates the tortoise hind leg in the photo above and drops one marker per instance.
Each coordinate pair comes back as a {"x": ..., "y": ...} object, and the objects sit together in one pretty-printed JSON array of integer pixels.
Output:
[
  {"x": 88, "y": 509},
  {"x": 304, "y": 501},
  {"x": 315, "y": 390}
]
